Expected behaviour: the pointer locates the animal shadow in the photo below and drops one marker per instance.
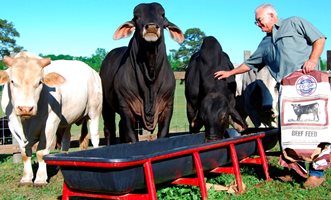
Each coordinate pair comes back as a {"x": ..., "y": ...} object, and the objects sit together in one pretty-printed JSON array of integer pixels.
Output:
[{"x": 52, "y": 170}]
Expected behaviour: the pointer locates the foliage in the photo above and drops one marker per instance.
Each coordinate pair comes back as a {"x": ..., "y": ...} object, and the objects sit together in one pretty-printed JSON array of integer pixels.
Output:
[
  {"x": 2, "y": 65},
  {"x": 323, "y": 65},
  {"x": 193, "y": 40},
  {"x": 94, "y": 61},
  {"x": 8, "y": 33},
  {"x": 176, "y": 65}
]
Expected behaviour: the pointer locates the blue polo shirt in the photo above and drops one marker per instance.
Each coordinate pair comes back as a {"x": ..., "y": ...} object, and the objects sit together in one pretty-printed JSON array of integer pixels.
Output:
[{"x": 285, "y": 49}]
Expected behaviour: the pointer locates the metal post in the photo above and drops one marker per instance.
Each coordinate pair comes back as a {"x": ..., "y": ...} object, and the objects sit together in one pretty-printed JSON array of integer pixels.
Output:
[
  {"x": 17, "y": 156},
  {"x": 328, "y": 61},
  {"x": 247, "y": 54}
]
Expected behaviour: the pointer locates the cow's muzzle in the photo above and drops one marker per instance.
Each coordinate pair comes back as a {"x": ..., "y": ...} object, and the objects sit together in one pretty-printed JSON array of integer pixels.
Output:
[
  {"x": 151, "y": 32},
  {"x": 25, "y": 111}
]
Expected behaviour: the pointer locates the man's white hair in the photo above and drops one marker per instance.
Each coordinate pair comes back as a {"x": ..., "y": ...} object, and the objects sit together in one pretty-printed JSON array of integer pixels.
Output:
[{"x": 268, "y": 8}]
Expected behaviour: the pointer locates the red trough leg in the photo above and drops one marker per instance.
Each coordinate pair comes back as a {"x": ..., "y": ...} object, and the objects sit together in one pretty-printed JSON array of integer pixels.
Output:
[
  {"x": 150, "y": 180},
  {"x": 236, "y": 168},
  {"x": 263, "y": 159},
  {"x": 201, "y": 176}
]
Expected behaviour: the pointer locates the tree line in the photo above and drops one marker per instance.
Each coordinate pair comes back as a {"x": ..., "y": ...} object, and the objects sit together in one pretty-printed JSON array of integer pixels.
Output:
[{"x": 178, "y": 59}]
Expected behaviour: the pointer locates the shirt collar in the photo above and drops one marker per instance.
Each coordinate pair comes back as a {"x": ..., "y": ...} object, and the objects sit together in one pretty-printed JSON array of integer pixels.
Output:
[{"x": 278, "y": 24}]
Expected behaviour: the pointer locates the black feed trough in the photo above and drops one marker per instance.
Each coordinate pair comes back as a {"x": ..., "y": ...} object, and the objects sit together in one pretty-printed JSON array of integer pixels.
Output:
[{"x": 121, "y": 169}]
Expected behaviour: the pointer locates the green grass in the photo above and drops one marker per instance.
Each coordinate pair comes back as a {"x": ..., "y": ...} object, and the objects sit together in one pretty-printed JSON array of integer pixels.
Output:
[{"x": 253, "y": 178}]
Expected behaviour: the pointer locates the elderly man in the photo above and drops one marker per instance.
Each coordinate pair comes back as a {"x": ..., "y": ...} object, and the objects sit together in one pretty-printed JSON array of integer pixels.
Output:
[{"x": 289, "y": 45}]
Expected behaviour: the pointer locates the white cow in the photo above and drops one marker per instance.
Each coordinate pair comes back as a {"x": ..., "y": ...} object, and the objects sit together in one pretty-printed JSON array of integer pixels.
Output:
[
  {"x": 40, "y": 100},
  {"x": 257, "y": 98}
]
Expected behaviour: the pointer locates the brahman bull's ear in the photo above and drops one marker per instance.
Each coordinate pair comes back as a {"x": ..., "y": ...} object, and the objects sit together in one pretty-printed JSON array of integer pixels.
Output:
[
  {"x": 44, "y": 62},
  {"x": 4, "y": 78},
  {"x": 175, "y": 33},
  {"x": 125, "y": 30},
  {"x": 9, "y": 61},
  {"x": 53, "y": 79}
]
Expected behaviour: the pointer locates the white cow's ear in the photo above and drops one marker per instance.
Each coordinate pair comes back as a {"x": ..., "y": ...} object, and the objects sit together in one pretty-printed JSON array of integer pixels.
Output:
[
  {"x": 53, "y": 79},
  {"x": 44, "y": 62},
  {"x": 125, "y": 30},
  {"x": 9, "y": 61},
  {"x": 3, "y": 77}
]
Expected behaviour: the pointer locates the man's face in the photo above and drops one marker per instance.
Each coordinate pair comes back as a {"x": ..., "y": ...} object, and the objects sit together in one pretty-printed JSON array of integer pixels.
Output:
[{"x": 265, "y": 20}]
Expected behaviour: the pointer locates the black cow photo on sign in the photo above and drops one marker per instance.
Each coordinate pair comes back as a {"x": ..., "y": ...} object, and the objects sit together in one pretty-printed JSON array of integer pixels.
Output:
[
  {"x": 312, "y": 112},
  {"x": 309, "y": 109}
]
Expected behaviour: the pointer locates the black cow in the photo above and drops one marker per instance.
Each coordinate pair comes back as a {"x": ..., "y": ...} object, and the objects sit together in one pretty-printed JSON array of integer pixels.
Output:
[
  {"x": 137, "y": 80},
  {"x": 210, "y": 102},
  {"x": 306, "y": 109}
]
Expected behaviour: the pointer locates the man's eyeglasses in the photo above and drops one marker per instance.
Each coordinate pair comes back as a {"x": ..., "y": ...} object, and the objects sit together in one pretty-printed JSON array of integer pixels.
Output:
[{"x": 259, "y": 20}]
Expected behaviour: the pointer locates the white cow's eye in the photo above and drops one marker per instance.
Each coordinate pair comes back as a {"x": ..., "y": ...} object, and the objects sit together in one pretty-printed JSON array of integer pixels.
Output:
[
  {"x": 12, "y": 82},
  {"x": 38, "y": 84}
]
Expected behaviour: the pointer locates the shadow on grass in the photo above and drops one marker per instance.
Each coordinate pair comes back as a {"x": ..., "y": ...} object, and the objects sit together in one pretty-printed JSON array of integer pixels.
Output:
[
  {"x": 52, "y": 170},
  {"x": 4, "y": 157}
]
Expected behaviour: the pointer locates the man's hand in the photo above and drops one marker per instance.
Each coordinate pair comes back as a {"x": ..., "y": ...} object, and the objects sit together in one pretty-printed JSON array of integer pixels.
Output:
[
  {"x": 309, "y": 66},
  {"x": 222, "y": 74}
]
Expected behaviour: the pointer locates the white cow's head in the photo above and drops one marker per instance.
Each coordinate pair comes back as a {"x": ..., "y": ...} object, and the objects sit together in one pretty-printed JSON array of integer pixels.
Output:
[{"x": 25, "y": 77}]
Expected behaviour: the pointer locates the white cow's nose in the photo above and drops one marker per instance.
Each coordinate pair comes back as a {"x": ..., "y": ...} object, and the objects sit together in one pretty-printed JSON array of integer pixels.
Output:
[{"x": 25, "y": 110}]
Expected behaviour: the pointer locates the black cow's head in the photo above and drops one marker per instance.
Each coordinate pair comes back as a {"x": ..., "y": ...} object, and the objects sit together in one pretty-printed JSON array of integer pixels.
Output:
[
  {"x": 216, "y": 115},
  {"x": 149, "y": 21}
]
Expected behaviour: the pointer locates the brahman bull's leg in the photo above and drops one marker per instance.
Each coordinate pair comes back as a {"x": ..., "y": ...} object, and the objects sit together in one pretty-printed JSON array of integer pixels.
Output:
[
  {"x": 84, "y": 139},
  {"x": 15, "y": 126},
  {"x": 109, "y": 126},
  {"x": 164, "y": 122},
  {"x": 191, "y": 115},
  {"x": 94, "y": 129},
  {"x": 127, "y": 129},
  {"x": 66, "y": 137},
  {"x": 195, "y": 123},
  {"x": 27, "y": 170},
  {"x": 45, "y": 144},
  {"x": 41, "y": 176}
]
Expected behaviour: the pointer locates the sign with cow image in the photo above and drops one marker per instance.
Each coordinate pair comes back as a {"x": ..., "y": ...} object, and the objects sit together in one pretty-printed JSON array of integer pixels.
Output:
[{"x": 304, "y": 119}]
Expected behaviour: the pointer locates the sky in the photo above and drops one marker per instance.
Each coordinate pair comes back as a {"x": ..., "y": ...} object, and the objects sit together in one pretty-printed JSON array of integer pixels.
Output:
[{"x": 79, "y": 27}]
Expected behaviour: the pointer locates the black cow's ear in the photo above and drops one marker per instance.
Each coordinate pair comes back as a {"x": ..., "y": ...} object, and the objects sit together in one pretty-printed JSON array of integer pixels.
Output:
[
  {"x": 175, "y": 33},
  {"x": 125, "y": 30},
  {"x": 236, "y": 121}
]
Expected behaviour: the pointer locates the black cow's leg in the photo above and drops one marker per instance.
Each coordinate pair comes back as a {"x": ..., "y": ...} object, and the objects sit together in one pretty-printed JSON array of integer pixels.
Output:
[
  {"x": 164, "y": 122},
  {"x": 127, "y": 129},
  {"x": 109, "y": 124},
  {"x": 191, "y": 116}
]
